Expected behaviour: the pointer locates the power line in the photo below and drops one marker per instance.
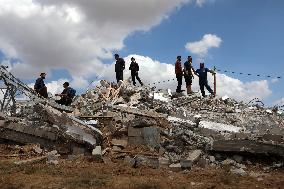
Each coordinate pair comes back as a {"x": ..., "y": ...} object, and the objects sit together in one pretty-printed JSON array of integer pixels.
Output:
[{"x": 248, "y": 74}]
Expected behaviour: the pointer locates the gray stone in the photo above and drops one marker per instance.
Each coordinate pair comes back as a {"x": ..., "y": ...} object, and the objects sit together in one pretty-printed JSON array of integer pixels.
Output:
[
  {"x": 203, "y": 162},
  {"x": 134, "y": 132},
  {"x": 147, "y": 161},
  {"x": 2, "y": 122},
  {"x": 139, "y": 140},
  {"x": 194, "y": 156},
  {"x": 120, "y": 143},
  {"x": 39, "y": 132},
  {"x": 272, "y": 137},
  {"x": 239, "y": 172},
  {"x": 212, "y": 159},
  {"x": 52, "y": 157},
  {"x": 151, "y": 136},
  {"x": 238, "y": 158},
  {"x": 37, "y": 149},
  {"x": 164, "y": 162},
  {"x": 2, "y": 116},
  {"x": 129, "y": 161},
  {"x": 242, "y": 135},
  {"x": 186, "y": 164},
  {"x": 176, "y": 167},
  {"x": 116, "y": 148},
  {"x": 97, "y": 153},
  {"x": 228, "y": 162}
]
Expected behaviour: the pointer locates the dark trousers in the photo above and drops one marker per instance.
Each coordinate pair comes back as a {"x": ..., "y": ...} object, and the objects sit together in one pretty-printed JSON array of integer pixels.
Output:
[
  {"x": 179, "y": 80},
  {"x": 203, "y": 84},
  {"x": 133, "y": 75},
  {"x": 42, "y": 92},
  {"x": 64, "y": 101},
  {"x": 119, "y": 76}
]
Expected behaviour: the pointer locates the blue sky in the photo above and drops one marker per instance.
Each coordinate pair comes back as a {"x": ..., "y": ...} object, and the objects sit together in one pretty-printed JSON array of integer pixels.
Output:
[
  {"x": 76, "y": 41},
  {"x": 251, "y": 31}
]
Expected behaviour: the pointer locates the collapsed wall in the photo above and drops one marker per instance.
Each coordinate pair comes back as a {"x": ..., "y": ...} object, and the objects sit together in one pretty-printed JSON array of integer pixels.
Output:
[{"x": 148, "y": 126}]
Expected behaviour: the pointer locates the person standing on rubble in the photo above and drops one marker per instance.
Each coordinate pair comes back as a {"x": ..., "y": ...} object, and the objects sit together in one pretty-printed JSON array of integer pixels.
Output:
[
  {"x": 134, "y": 67},
  {"x": 119, "y": 67},
  {"x": 67, "y": 95},
  {"x": 188, "y": 76},
  {"x": 40, "y": 87},
  {"x": 179, "y": 74},
  {"x": 203, "y": 82}
]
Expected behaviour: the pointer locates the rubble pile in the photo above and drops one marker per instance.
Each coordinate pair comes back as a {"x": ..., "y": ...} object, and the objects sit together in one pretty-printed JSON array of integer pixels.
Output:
[
  {"x": 174, "y": 128},
  {"x": 147, "y": 127}
]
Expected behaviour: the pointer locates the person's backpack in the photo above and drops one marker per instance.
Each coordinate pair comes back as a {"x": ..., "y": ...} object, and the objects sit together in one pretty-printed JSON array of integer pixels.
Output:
[{"x": 72, "y": 93}]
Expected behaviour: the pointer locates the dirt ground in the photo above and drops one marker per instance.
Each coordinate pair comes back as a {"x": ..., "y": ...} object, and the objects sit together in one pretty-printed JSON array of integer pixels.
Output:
[{"x": 83, "y": 172}]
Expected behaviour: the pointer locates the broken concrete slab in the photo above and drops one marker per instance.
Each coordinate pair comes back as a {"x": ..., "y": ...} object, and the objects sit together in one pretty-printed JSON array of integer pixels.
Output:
[
  {"x": 194, "y": 156},
  {"x": 176, "y": 167},
  {"x": 120, "y": 143},
  {"x": 147, "y": 161},
  {"x": 239, "y": 172},
  {"x": 250, "y": 146},
  {"x": 219, "y": 127}
]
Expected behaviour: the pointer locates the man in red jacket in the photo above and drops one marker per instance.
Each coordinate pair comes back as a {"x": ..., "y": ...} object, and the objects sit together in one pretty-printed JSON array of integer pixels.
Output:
[{"x": 179, "y": 73}]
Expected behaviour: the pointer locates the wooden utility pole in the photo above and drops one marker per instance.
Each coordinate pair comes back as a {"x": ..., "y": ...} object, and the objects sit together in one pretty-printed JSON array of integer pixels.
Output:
[{"x": 214, "y": 75}]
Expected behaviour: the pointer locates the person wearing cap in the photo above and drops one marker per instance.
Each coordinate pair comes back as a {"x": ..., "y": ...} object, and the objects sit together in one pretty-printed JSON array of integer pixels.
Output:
[
  {"x": 203, "y": 82},
  {"x": 40, "y": 87},
  {"x": 119, "y": 67},
  {"x": 134, "y": 68},
  {"x": 179, "y": 74},
  {"x": 188, "y": 76},
  {"x": 67, "y": 95}
]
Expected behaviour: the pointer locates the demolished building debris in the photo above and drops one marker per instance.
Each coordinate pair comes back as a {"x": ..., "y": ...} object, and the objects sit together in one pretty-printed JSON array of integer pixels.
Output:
[{"x": 144, "y": 127}]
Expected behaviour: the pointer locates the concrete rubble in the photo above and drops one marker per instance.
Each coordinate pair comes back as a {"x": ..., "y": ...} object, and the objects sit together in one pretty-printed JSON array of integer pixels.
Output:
[{"x": 147, "y": 127}]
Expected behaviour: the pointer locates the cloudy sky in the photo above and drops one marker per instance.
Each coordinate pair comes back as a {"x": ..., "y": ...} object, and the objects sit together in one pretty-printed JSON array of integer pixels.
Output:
[{"x": 75, "y": 41}]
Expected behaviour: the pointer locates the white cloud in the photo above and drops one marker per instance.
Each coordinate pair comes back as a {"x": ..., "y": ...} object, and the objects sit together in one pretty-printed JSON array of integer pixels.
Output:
[
  {"x": 75, "y": 35},
  {"x": 274, "y": 80},
  {"x": 201, "y": 47}
]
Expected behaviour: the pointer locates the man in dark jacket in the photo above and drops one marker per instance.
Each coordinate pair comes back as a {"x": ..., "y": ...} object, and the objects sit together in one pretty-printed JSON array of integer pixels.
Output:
[
  {"x": 119, "y": 67},
  {"x": 188, "y": 76},
  {"x": 179, "y": 74},
  {"x": 40, "y": 87},
  {"x": 203, "y": 82},
  {"x": 67, "y": 95},
  {"x": 134, "y": 67}
]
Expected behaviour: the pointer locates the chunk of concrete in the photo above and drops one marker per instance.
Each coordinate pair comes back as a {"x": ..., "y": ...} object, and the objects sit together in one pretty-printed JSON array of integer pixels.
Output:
[
  {"x": 272, "y": 137},
  {"x": 52, "y": 157},
  {"x": 2, "y": 122},
  {"x": 151, "y": 136},
  {"x": 139, "y": 140},
  {"x": 164, "y": 162},
  {"x": 239, "y": 172},
  {"x": 135, "y": 132},
  {"x": 129, "y": 161},
  {"x": 147, "y": 161},
  {"x": 194, "y": 156},
  {"x": 203, "y": 162},
  {"x": 186, "y": 164},
  {"x": 176, "y": 167},
  {"x": 120, "y": 143},
  {"x": 238, "y": 158},
  {"x": 97, "y": 153}
]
